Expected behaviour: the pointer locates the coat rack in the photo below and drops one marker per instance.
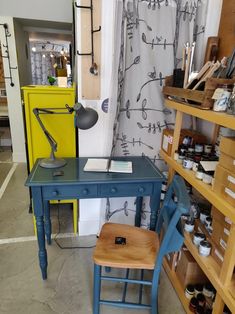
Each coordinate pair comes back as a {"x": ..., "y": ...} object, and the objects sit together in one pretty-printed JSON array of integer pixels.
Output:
[
  {"x": 7, "y": 55},
  {"x": 93, "y": 68}
]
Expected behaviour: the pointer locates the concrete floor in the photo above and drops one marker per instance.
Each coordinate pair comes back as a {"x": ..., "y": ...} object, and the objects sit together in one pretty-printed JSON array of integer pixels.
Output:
[{"x": 68, "y": 289}]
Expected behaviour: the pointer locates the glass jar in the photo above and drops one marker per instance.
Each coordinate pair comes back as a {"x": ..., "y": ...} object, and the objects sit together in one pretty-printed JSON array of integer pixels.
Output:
[
  {"x": 231, "y": 102},
  {"x": 221, "y": 102}
]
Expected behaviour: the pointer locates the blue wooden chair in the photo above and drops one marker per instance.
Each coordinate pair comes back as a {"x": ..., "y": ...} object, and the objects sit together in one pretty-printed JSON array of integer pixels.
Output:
[{"x": 142, "y": 250}]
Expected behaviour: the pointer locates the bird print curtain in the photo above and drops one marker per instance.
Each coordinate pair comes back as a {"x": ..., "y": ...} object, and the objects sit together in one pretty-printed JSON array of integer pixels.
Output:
[{"x": 151, "y": 35}]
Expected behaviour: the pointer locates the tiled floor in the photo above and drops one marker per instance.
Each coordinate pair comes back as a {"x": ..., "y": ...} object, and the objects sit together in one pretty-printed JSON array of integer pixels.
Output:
[{"x": 68, "y": 289}]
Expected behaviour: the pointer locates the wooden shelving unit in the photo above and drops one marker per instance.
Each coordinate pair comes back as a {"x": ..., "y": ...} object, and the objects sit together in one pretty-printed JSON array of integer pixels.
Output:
[
  {"x": 177, "y": 285},
  {"x": 222, "y": 277},
  {"x": 205, "y": 189}
]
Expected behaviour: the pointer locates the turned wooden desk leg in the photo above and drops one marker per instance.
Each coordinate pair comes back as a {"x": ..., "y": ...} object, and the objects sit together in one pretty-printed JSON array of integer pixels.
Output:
[
  {"x": 47, "y": 221},
  {"x": 154, "y": 204},
  {"x": 39, "y": 215},
  {"x": 139, "y": 202},
  {"x": 42, "y": 254}
]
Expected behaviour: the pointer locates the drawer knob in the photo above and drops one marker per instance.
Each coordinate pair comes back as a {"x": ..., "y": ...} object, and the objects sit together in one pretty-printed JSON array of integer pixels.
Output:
[
  {"x": 55, "y": 193},
  {"x": 141, "y": 189},
  {"x": 114, "y": 190},
  {"x": 85, "y": 191}
]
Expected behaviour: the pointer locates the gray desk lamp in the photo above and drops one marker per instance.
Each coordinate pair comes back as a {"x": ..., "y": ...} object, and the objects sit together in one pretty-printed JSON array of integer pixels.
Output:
[{"x": 84, "y": 119}]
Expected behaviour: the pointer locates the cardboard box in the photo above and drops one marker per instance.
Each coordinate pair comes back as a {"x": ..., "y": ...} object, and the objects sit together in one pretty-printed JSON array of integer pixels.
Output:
[
  {"x": 227, "y": 146},
  {"x": 188, "y": 271},
  {"x": 220, "y": 218},
  {"x": 227, "y": 162},
  {"x": 220, "y": 235},
  {"x": 218, "y": 254},
  {"x": 167, "y": 138},
  {"x": 224, "y": 184}
]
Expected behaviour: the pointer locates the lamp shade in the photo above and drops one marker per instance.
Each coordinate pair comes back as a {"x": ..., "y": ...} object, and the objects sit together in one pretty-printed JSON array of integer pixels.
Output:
[{"x": 84, "y": 118}]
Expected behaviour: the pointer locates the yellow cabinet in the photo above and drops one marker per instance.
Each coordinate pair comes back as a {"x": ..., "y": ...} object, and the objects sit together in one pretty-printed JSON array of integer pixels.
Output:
[{"x": 60, "y": 126}]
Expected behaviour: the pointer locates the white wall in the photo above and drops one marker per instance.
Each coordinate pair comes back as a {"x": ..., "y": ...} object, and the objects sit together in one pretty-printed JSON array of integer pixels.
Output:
[
  {"x": 93, "y": 142},
  {"x": 50, "y": 10},
  {"x": 53, "y": 10},
  {"x": 13, "y": 93}
]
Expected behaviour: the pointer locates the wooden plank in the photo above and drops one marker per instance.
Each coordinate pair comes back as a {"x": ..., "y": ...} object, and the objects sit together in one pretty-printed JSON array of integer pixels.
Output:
[
  {"x": 215, "y": 134},
  {"x": 227, "y": 29},
  {"x": 189, "y": 94},
  {"x": 176, "y": 138},
  {"x": 218, "y": 306},
  {"x": 90, "y": 83},
  {"x": 219, "y": 118}
]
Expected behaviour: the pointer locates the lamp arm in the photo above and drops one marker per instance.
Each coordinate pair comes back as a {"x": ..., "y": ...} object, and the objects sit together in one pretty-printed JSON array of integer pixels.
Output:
[{"x": 49, "y": 137}]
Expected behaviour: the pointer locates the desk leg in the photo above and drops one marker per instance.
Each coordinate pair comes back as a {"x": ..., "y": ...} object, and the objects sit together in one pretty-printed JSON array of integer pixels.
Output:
[
  {"x": 39, "y": 215},
  {"x": 42, "y": 254},
  {"x": 139, "y": 201},
  {"x": 154, "y": 204},
  {"x": 47, "y": 221}
]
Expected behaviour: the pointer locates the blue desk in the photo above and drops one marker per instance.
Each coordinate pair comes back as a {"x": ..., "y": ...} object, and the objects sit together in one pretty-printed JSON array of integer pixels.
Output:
[{"x": 145, "y": 180}]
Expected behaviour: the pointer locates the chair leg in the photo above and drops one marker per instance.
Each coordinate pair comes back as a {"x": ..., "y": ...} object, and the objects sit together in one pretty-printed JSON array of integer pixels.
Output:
[
  {"x": 154, "y": 299},
  {"x": 96, "y": 289},
  {"x": 154, "y": 292}
]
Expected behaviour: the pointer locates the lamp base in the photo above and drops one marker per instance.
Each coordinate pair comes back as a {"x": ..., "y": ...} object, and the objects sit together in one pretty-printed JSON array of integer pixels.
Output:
[{"x": 52, "y": 163}]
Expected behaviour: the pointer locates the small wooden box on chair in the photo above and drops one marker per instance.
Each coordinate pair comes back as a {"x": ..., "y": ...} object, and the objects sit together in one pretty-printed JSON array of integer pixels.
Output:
[{"x": 143, "y": 249}]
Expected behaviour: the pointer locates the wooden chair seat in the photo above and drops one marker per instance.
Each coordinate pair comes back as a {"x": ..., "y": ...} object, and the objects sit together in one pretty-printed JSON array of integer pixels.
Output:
[
  {"x": 139, "y": 251},
  {"x": 142, "y": 250}
]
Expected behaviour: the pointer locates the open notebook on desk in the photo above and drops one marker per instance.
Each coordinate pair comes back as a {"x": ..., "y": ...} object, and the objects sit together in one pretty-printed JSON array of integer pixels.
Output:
[{"x": 108, "y": 165}]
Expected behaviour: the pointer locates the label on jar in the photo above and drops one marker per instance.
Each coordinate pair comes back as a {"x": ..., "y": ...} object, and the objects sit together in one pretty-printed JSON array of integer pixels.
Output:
[{"x": 218, "y": 93}]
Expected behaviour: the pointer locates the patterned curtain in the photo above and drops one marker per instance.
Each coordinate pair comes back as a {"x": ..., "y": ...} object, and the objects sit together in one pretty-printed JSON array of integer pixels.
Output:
[
  {"x": 152, "y": 34},
  {"x": 42, "y": 67}
]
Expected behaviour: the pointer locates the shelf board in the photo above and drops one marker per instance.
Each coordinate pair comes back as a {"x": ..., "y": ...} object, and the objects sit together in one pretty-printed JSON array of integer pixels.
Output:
[
  {"x": 177, "y": 286},
  {"x": 203, "y": 188},
  {"x": 219, "y": 118},
  {"x": 231, "y": 288},
  {"x": 212, "y": 271}
]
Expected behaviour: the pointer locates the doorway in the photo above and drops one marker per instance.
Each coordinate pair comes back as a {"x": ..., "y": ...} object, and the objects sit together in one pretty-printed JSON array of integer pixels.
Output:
[{"x": 53, "y": 41}]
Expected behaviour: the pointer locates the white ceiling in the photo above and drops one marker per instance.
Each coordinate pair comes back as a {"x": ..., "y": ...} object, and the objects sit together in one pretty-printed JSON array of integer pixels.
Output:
[{"x": 43, "y": 31}]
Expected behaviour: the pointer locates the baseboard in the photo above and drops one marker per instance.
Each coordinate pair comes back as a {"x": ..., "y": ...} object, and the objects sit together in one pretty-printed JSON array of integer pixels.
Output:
[
  {"x": 88, "y": 227},
  {"x": 18, "y": 157}
]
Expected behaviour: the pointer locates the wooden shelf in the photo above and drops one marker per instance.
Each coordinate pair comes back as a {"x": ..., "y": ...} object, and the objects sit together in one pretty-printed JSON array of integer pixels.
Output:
[
  {"x": 219, "y": 118},
  {"x": 177, "y": 286},
  {"x": 203, "y": 188},
  {"x": 212, "y": 271},
  {"x": 220, "y": 277}
]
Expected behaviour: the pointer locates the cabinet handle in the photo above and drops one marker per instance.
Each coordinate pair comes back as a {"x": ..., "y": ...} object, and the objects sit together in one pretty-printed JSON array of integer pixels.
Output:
[
  {"x": 85, "y": 191},
  {"x": 141, "y": 189},
  {"x": 114, "y": 190},
  {"x": 55, "y": 193}
]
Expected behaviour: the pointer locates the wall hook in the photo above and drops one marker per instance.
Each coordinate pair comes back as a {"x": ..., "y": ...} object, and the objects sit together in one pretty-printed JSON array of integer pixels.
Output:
[
  {"x": 7, "y": 55},
  {"x": 94, "y": 67}
]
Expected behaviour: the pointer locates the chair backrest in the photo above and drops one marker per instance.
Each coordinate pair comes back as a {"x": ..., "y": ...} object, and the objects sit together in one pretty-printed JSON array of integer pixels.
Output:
[{"x": 169, "y": 221}]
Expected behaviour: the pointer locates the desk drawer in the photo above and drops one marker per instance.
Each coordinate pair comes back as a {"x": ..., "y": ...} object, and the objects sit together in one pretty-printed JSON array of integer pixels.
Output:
[
  {"x": 66, "y": 192},
  {"x": 138, "y": 189}
]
